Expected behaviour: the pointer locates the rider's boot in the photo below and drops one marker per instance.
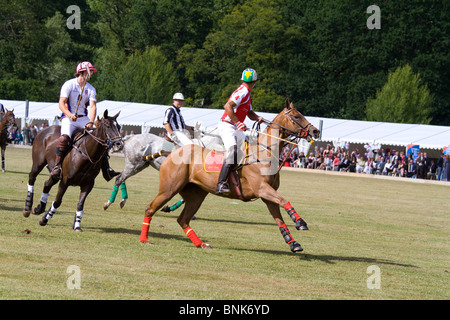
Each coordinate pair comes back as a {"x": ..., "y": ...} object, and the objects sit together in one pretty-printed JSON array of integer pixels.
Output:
[
  {"x": 107, "y": 171},
  {"x": 228, "y": 165},
  {"x": 222, "y": 186},
  {"x": 61, "y": 150}
]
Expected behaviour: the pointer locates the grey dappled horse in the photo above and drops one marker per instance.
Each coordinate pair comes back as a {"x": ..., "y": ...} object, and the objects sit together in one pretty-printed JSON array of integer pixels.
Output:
[{"x": 139, "y": 145}]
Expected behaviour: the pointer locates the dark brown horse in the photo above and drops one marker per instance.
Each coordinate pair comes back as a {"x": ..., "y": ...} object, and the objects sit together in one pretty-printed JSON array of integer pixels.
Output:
[
  {"x": 182, "y": 172},
  {"x": 80, "y": 166},
  {"x": 8, "y": 120}
]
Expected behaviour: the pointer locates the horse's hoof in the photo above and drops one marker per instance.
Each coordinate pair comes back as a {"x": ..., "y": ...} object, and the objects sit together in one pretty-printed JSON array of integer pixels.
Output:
[
  {"x": 43, "y": 221},
  {"x": 301, "y": 225},
  {"x": 165, "y": 209},
  {"x": 3, "y": 170},
  {"x": 78, "y": 229},
  {"x": 26, "y": 213},
  {"x": 106, "y": 205},
  {"x": 295, "y": 246},
  {"x": 205, "y": 246},
  {"x": 122, "y": 203},
  {"x": 38, "y": 210},
  {"x": 147, "y": 242}
]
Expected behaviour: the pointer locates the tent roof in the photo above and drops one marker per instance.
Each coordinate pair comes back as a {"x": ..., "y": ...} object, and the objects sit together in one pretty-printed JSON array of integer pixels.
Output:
[
  {"x": 337, "y": 130},
  {"x": 385, "y": 133}
]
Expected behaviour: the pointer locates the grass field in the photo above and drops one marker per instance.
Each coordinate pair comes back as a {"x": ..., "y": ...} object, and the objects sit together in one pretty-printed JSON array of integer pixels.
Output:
[{"x": 355, "y": 223}]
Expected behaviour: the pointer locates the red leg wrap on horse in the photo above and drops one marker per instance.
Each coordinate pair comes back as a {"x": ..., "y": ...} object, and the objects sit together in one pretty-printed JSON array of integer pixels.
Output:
[
  {"x": 145, "y": 227},
  {"x": 291, "y": 211},
  {"x": 286, "y": 233},
  {"x": 191, "y": 235}
]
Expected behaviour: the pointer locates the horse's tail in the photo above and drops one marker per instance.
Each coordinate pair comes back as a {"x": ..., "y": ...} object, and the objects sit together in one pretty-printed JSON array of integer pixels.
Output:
[{"x": 156, "y": 155}]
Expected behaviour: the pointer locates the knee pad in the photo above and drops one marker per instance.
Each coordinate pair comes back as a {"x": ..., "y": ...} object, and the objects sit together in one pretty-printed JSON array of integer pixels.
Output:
[{"x": 62, "y": 145}]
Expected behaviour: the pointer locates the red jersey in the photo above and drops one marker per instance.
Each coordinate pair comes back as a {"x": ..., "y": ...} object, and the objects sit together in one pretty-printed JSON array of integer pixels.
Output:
[{"x": 241, "y": 97}]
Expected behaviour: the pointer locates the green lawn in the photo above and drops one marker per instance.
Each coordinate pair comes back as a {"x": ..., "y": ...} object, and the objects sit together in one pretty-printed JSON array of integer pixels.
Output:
[{"x": 399, "y": 226}]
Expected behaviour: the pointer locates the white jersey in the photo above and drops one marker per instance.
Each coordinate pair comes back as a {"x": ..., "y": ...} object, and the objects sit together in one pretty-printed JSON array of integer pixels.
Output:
[{"x": 72, "y": 90}]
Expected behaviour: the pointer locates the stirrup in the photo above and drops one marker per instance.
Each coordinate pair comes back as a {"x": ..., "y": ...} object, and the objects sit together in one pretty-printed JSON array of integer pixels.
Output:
[
  {"x": 223, "y": 188},
  {"x": 56, "y": 172}
]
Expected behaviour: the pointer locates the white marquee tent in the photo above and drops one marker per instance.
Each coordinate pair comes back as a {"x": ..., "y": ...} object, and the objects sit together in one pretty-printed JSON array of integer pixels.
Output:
[{"x": 333, "y": 130}]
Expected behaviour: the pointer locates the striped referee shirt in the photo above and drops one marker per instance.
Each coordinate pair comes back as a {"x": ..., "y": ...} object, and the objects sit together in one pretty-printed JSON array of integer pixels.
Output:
[{"x": 174, "y": 118}]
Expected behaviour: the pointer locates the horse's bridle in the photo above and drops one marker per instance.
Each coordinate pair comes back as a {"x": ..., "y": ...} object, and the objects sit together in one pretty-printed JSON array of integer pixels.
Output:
[
  {"x": 9, "y": 120},
  {"x": 108, "y": 142},
  {"x": 302, "y": 133}
]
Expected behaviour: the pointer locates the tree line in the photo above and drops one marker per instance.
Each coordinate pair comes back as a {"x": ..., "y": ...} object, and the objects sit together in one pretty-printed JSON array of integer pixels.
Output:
[{"x": 321, "y": 54}]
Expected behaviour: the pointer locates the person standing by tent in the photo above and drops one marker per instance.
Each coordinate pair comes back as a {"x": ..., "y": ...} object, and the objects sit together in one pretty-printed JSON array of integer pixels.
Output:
[
  {"x": 446, "y": 171},
  {"x": 174, "y": 122},
  {"x": 440, "y": 167},
  {"x": 421, "y": 166}
]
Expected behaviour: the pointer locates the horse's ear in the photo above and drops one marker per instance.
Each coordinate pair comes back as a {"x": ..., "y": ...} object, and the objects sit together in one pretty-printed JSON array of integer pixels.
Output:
[
  {"x": 115, "y": 117},
  {"x": 105, "y": 114},
  {"x": 287, "y": 103},
  {"x": 291, "y": 106}
]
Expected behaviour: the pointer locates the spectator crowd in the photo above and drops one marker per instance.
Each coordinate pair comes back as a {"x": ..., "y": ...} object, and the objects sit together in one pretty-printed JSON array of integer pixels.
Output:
[
  {"x": 379, "y": 162},
  {"x": 25, "y": 136}
]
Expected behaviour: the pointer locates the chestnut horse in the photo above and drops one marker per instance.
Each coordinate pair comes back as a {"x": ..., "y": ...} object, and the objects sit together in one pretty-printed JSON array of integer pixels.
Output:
[
  {"x": 80, "y": 166},
  {"x": 182, "y": 172},
  {"x": 8, "y": 120}
]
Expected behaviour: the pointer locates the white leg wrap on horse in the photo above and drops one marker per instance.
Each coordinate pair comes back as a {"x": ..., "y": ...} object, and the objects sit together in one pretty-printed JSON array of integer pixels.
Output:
[
  {"x": 30, "y": 188},
  {"x": 44, "y": 197},
  {"x": 50, "y": 212},
  {"x": 78, "y": 216}
]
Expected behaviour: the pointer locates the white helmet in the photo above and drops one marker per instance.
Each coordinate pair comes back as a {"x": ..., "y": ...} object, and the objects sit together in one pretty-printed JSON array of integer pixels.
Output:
[{"x": 178, "y": 96}]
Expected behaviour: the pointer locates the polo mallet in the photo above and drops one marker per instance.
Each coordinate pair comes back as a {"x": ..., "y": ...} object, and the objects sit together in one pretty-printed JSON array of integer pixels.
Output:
[{"x": 88, "y": 77}]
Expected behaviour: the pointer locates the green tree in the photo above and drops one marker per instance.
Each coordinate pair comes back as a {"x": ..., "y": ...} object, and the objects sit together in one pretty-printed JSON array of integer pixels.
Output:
[
  {"x": 146, "y": 77},
  {"x": 340, "y": 63},
  {"x": 403, "y": 99},
  {"x": 254, "y": 35}
]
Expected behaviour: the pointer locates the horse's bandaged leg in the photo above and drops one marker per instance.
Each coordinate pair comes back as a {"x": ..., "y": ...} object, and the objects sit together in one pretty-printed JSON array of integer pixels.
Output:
[
  {"x": 123, "y": 189},
  {"x": 77, "y": 222},
  {"x": 29, "y": 199},
  {"x": 145, "y": 227},
  {"x": 293, "y": 245},
  {"x": 50, "y": 212},
  {"x": 286, "y": 234},
  {"x": 113, "y": 194},
  {"x": 191, "y": 235},
  {"x": 177, "y": 205},
  {"x": 44, "y": 197},
  {"x": 300, "y": 224},
  {"x": 41, "y": 206},
  {"x": 291, "y": 212}
]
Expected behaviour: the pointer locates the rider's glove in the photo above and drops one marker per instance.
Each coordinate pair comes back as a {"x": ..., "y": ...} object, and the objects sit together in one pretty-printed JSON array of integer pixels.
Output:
[{"x": 241, "y": 126}]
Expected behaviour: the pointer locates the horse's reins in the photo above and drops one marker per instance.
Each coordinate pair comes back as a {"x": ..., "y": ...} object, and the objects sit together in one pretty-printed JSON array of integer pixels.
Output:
[
  {"x": 303, "y": 133},
  {"x": 107, "y": 143}
]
